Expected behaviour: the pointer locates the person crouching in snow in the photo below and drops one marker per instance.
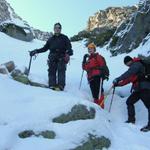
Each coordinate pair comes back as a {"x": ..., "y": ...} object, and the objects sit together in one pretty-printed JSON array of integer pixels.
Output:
[{"x": 97, "y": 71}]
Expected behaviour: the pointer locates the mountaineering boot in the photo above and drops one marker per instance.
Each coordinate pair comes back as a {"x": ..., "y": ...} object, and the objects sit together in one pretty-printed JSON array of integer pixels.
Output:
[
  {"x": 130, "y": 121},
  {"x": 145, "y": 129},
  {"x": 56, "y": 88},
  {"x": 101, "y": 101},
  {"x": 52, "y": 87},
  {"x": 61, "y": 87}
]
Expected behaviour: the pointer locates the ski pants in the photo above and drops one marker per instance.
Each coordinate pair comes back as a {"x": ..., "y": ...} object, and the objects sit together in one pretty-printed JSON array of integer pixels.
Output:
[
  {"x": 57, "y": 72},
  {"x": 95, "y": 86},
  {"x": 144, "y": 95}
]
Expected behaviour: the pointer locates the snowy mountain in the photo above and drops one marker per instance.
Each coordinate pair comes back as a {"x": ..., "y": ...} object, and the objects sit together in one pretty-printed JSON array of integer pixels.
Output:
[
  {"x": 110, "y": 17},
  {"x": 102, "y": 25},
  {"x": 13, "y": 25},
  {"x": 131, "y": 33},
  {"x": 33, "y": 109}
]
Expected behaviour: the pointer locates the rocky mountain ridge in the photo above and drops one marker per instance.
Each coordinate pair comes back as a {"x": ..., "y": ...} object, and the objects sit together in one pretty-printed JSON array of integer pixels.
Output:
[
  {"x": 102, "y": 25},
  {"x": 131, "y": 33},
  {"x": 111, "y": 17},
  {"x": 11, "y": 23}
]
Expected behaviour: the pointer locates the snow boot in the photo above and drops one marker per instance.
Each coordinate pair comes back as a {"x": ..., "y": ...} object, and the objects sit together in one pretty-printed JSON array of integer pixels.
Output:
[
  {"x": 101, "y": 101},
  {"x": 52, "y": 87},
  {"x": 130, "y": 121},
  {"x": 145, "y": 129}
]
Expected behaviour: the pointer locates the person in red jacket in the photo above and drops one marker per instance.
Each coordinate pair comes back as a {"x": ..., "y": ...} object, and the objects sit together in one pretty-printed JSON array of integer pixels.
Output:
[{"x": 95, "y": 65}]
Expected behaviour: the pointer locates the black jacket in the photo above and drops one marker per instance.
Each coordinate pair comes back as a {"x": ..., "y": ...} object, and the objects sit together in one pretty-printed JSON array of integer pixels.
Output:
[
  {"x": 59, "y": 45},
  {"x": 134, "y": 71}
]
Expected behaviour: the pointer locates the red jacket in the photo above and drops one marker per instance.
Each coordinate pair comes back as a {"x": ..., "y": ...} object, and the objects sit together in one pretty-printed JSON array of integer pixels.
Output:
[
  {"x": 131, "y": 79},
  {"x": 93, "y": 65}
]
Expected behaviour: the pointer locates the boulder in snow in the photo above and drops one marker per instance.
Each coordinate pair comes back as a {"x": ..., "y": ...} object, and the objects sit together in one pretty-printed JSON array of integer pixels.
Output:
[
  {"x": 94, "y": 143},
  {"x": 45, "y": 134},
  {"x": 78, "y": 112},
  {"x": 3, "y": 70},
  {"x": 9, "y": 65}
]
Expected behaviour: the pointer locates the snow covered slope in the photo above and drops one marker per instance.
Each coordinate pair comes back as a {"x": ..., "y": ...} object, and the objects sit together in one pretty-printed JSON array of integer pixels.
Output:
[{"x": 24, "y": 107}]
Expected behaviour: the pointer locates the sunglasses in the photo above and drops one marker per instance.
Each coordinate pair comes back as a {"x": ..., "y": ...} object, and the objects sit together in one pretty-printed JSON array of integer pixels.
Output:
[{"x": 57, "y": 27}]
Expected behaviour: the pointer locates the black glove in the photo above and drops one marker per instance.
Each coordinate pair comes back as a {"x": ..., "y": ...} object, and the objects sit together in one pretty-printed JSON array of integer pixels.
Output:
[
  {"x": 32, "y": 53},
  {"x": 85, "y": 58},
  {"x": 115, "y": 82},
  {"x": 106, "y": 77}
]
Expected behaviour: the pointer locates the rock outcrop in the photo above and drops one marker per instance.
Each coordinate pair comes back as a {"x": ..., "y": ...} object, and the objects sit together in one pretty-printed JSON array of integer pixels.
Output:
[
  {"x": 110, "y": 18},
  {"x": 103, "y": 24},
  {"x": 14, "y": 26},
  {"x": 131, "y": 33}
]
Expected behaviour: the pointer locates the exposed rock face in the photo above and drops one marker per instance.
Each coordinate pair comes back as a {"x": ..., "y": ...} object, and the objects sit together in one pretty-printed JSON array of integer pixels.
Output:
[
  {"x": 103, "y": 24},
  {"x": 16, "y": 27},
  {"x": 6, "y": 11},
  {"x": 42, "y": 35},
  {"x": 111, "y": 17},
  {"x": 78, "y": 112},
  {"x": 23, "y": 33},
  {"x": 132, "y": 32},
  {"x": 48, "y": 134},
  {"x": 94, "y": 143}
]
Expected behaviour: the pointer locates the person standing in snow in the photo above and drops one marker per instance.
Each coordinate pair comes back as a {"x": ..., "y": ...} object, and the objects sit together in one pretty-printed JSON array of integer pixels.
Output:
[
  {"x": 140, "y": 88},
  {"x": 97, "y": 71},
  {"x": 60, "y": 51}
]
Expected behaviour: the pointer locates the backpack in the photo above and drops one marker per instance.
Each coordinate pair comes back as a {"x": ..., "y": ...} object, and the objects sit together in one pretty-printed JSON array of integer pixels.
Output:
[
  {"x": 104, "y": 69},
  {"x": 145, "y": 61}
]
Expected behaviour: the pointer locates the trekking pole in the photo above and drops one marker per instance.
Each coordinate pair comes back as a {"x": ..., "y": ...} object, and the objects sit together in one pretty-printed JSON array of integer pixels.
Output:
[
  {"x": 106, "y": 95},
  {"x": 112, "y": 99},
  {"x": 81, "y": 79},
  {"x": 100, "y": 91},
  {"x": 29, "y": 66},
  {"x": 100, "y": 88}
]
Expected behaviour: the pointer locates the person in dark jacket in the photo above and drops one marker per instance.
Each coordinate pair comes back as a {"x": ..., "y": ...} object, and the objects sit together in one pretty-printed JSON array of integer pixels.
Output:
[
  {"x": 60, "y": 51},
  {"x": 95, "y": 64},
  {"x": 140, "y": 88}
]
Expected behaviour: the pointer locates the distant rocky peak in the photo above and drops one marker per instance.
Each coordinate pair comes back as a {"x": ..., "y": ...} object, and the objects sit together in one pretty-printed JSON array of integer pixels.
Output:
[
  {"x": 111, "y": 17},
  {"x": 14, "y": 26},
  {"x": 130, "y": 34},
  {"x": 7, "y": 12}
]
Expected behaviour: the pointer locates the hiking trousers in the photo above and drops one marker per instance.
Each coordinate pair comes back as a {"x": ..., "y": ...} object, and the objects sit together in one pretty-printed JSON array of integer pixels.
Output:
[
  {"x": 57, "y": 72},
  {"x": 95, "y": 86},
  {"x": 143, "y": 95}
]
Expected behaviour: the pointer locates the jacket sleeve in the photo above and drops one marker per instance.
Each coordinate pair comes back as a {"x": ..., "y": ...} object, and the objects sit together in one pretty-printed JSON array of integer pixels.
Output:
[
  {"x": 133, "y": 70},
  {"x": 69, "y": 50},
  {"x": 131, "y": 79},
  {"x": 44, "y": 48}
]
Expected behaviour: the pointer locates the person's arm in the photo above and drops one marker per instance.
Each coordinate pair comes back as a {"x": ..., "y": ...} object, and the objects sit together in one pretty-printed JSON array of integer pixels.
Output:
[
  {"x": 131, "y": 79},
  {"x": 44, "y": 48},
  {"x": 69, "y": 50},
  {"x": 133, "y": 70}
]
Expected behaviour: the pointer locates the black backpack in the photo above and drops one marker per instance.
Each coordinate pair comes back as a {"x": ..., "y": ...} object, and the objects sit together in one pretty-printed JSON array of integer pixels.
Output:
[
  {"x": 146, "y": 63},
  {"x": 105, "y": 69}
]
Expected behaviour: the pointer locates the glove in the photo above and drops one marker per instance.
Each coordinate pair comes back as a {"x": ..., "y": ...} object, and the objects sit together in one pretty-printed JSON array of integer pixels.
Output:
[
  {"x": 85, "y": 58},
  {"x": 106, "y": 78},
  {"x": 32, "y": 53},
  {"x": 66, "y": 58},
  {"x": 115, "y": 82}
]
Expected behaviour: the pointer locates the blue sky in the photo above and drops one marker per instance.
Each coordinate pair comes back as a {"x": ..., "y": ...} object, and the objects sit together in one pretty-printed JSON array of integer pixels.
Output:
[{"x": 72, "y": 14}]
